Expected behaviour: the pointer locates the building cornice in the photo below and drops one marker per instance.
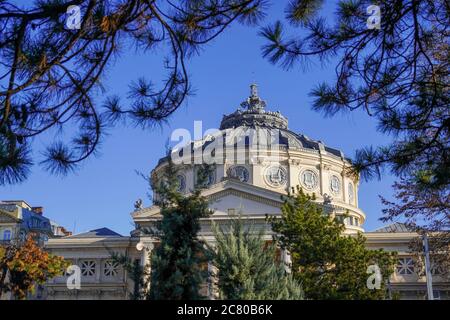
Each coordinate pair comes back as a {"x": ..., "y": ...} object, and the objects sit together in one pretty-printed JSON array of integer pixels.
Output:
[
  {"x": 10, "y": 216},
  {"x": 389, "y": 237},
  {"x": 69, "y": 242}
]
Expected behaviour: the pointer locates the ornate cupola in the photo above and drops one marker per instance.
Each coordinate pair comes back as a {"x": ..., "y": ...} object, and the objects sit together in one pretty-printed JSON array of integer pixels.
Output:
[
  {"x": 252, "y": 113},
  {"x": 257, "y": 158}
]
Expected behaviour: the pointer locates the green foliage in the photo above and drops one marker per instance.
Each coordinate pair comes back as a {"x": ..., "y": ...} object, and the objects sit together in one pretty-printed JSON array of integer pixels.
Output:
[
  {"x": 248, "y": 267},
  {"x": 328, "y": 264},
  {"x": 51, "y": 74},
  {"x": 15, "y": 162},
  {"x": 138, "y": 274},
  {"x": 23, "y": 265},
  {"x": 178, "y": 261},
  {"x": 399, "y": 75},
  {"x": 301, "y": 12}
]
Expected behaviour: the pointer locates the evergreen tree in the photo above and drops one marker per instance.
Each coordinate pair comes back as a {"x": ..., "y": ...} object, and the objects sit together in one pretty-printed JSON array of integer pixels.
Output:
[
  {"x": 395, "y": 69},
  {"x": 137, "y": 273},
  {"x": 55, "y": 54},
  {"x": 328, "y": 264},
  {"x": 179, "y": 259},
  {"x": 248, "y": 267}
]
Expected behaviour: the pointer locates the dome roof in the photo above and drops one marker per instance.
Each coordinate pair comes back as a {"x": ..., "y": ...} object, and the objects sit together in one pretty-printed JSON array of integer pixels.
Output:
[{"x": 251, "y": 115}]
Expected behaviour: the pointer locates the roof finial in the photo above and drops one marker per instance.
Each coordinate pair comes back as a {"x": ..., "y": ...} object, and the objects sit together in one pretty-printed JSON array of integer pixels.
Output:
[
  {"x": 254, "y": 103},
  {"x": 254, "y": 90}
]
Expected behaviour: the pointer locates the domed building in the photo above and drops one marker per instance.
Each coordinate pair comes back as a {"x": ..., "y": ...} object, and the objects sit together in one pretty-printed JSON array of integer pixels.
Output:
[{"x": 255, "y": 159}]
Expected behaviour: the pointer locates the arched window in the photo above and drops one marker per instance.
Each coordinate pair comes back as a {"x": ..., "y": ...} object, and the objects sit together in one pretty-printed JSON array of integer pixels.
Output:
[{"x": 7, "y": 235}]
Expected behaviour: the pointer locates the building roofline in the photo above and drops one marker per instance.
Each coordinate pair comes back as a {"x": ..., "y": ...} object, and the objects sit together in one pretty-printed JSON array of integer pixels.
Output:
[{"x": 15, "y": 202}]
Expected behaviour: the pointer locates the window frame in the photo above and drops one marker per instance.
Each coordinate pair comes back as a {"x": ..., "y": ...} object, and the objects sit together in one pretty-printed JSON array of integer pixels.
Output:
[
  {"x": 9, "y": 233},
  {"x": 405, "y": 268},
  {"x": 111, "y": 268},
  {"x": 88, "y": 268}
]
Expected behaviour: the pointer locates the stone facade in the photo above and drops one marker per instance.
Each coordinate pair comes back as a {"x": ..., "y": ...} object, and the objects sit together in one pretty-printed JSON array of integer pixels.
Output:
[
  {"x": 18, "y": 219},
  {"x": 252, "y": 188}
]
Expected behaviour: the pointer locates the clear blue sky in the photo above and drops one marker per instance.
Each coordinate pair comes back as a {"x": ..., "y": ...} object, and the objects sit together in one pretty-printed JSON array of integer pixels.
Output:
[{"x": 103, "y": 190}]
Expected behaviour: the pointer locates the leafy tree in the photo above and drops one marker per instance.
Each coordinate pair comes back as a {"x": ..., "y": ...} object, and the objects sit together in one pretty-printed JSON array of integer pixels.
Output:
[
  {"x": 425, "y": 211},
  {"x": 22, "y": 266},
  {"x": 328, "y": 264},
  {"x": 248, "y": 267},
  {"x": 399, "y": 75},
  {"x": 177, "y": 262},
  {"x": 51, "y": 70}
]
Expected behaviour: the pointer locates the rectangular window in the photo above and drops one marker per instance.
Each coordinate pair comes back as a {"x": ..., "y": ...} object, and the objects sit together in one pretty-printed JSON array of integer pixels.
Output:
[
  {"x": 110, "y": 268},
  {"x": 88, "y": 268},
  {"x": 436, "y": 295},
  {"x": 405, "y": 266},
  {"x": 7, "y": 235}
]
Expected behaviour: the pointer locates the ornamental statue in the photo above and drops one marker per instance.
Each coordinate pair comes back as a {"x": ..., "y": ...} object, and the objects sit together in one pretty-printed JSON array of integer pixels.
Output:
[{"x": 138, "y": 205}]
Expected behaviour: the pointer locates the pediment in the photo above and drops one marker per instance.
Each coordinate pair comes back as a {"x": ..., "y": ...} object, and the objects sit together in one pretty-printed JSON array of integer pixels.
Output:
[
  {"x": 230, "y": 194},
  {"x": 242, "y": 203},
  {"x": 6, "y": 217},
  {"x": 244, "y": 190}
]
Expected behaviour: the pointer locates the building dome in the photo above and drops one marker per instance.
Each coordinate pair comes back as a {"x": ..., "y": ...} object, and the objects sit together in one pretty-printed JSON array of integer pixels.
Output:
[
  {"x": 254, "y": 146},
  {"x": 252, "y": 114}
]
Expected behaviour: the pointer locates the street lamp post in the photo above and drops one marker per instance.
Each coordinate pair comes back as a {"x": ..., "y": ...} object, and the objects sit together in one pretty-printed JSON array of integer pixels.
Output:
[{"x": 428, "y": 268}]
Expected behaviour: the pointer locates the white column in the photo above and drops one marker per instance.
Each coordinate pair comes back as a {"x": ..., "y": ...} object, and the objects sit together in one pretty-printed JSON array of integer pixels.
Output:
[
  {"x": 145, "y": 248},
  {"x": 145, "y": 253},
  {"x": 344, "y": 187},
  {"x": 324, "y": 180}
]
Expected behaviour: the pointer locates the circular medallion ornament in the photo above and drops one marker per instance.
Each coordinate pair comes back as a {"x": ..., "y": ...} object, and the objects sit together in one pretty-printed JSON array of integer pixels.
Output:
[
  {"x": 351, "y": 193},
  {"x": 335, "y": 184},
  {"x": 276, "y": 176},
  {"x": 309, "y": 179},
  {"x": 181, "y": 180},
  {"x": 239, "y": 172}
]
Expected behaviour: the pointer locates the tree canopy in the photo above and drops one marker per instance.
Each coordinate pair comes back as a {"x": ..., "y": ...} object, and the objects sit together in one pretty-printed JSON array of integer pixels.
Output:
[
  {"x": 179, "y": 260},
  {"x": 398, "y": 73},
  {"x": 328, "y": 264},
  {"x": 24, "y": 265},
  {"x": 52, "y": 70},
  {"x": 248, "y": 266}
]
